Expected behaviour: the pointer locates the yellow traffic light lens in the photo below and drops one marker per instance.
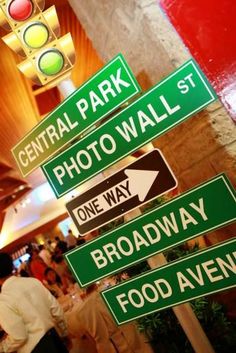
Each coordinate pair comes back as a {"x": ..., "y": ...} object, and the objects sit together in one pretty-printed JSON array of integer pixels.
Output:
[
  {"x": 20, "y": 10},
  {"x": 51, "y": 62},
  {"x": 36, "y": 35}
]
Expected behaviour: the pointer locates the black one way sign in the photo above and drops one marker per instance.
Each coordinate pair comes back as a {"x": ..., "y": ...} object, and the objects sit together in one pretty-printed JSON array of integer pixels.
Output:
[{"x": 139, "y": 182}]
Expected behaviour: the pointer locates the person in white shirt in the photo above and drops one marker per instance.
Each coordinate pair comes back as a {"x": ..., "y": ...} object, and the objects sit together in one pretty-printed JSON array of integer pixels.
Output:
[
  {"x": 45, "y": 255},
  {"x": 28, "y": 314},
  {"x": 71, "y": 240}
]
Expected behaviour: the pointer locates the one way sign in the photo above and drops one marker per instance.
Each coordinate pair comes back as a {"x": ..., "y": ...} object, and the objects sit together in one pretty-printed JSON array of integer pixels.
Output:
[{"x": 139, "y": 182}]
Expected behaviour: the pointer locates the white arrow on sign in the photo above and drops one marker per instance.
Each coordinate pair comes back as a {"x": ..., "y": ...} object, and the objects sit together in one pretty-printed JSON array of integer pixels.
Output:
[{"x": 138, "y": 183}]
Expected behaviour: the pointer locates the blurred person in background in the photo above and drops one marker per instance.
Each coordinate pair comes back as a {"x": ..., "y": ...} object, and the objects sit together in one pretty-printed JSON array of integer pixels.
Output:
[
  {"x": 45, "y": 255},
  {"x": 61, "y": 246},
  {"x": 71, "y": 240},
  {"x": 61, "y": 268},
  {"x": 53, "y": 282},
  {"x": 28, "y": 314},
  {"x": 22, "y": 269},
  {"x": 80, "y": 241},
  {"x": 50, "y": 245},
  {"x": 94, "y": 320},
  {"x": 36, "y": 265}
]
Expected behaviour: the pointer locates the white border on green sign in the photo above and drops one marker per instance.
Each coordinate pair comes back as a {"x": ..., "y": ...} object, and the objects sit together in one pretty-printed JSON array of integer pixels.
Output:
[
  {"x": 159, "y": 269},
  {"x": 212, "y": 98},
  {"x": 118, "y": 57},
  {"x": 220, "y": 176}
]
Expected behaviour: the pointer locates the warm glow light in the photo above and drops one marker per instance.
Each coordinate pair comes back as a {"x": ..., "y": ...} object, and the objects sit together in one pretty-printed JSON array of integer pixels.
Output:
[
  {"x": 3, "y": 238},
  {"x": 70, "y": 195},
  {"x": 44, "y": 193}
]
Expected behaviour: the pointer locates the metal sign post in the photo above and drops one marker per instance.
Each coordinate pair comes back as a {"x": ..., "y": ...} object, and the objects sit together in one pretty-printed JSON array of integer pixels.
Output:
[
  {"x": 203, "y": 273},
  {"x": 184, "y": 312},
  {"x": 184, "y": 217}
]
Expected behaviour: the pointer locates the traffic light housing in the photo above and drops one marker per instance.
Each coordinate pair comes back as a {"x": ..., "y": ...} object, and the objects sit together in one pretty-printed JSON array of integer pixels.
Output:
[
  {"x": 14, "y": 13},
  {"x": 34, "y": 35}
]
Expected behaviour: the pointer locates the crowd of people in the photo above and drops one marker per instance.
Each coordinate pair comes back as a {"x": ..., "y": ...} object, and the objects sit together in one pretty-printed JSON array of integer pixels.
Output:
[
  {"x": 29, "y": 314},
  {"x": 46, "y": 263},
  {"x": 32, "y": 319}
]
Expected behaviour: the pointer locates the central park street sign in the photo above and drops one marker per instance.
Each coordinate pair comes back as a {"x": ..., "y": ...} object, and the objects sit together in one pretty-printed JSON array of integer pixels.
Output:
[
  {"x": 110, "y": 87},
  {"x": 132, "y": 186},
  {"x": 202, "y": 209},
  {"x": 170, "y": 102},
  {"x": 205, "y": 272}
]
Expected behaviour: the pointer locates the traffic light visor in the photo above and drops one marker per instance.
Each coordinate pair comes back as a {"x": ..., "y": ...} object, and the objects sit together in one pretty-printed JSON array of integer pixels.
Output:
[{"x": 14, "y": 13}]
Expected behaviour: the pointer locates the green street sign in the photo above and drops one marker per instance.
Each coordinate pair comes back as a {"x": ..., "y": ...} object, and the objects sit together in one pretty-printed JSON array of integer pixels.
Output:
[
  {"x": 110, "y": 87},
  {"x": 202, "y": 209},
  {"x": 203, "y": 273},
  {"x": 170, "y": 102}
]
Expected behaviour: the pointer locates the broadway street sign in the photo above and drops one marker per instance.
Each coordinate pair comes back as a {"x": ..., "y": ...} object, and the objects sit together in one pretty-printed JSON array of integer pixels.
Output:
[
  {"x": 205, "y": 272},
  {"x": 113, "y": 85},
  {"x": 202, "y": 209},
  {"x": 139, "y": 182},
  {"x": 176, "y": 98}
]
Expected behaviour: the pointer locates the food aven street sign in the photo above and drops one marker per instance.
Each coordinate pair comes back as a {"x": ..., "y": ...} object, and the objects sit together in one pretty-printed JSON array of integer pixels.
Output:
[
  {"x": 176, "y": 98},
  {"x": 113, "y": 85},
  {"x": 205, "y": 272},
  {"x": 202, "y": 209},
  {"x": 148, "y": 177}
]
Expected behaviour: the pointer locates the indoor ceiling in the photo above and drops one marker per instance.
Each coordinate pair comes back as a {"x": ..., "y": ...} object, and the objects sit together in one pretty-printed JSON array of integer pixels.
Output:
[{"x": 19, "y": 108}]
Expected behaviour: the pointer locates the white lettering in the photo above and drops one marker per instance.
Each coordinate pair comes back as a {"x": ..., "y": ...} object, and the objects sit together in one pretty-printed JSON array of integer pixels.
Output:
[
  {"x": 82, "y": 105},
  {"x": 59, "y": 173},
  {"x": 127, "y": 129},
  {"x": 105, "y": 89},
  {"x": 186, "y": 218},
  {"x": 98, "y": 258},
  {"x": 183, "y": 282},
  {"x": 117, "y": 81},
  {"x": 200, "y": 209},
  {"x": 25, "y": 162},
  {"x": 107, "y": 149},
  {"x": 95, "y": 100},
  {"x": 210, "y": 271},
  {"x": 170, "y": 110}
]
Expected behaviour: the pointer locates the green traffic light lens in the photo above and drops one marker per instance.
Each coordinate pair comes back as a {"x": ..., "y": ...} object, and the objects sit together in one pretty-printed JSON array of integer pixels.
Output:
[
  {"x": 36, "y": 35},
  {"x": 51, "y": 62}
]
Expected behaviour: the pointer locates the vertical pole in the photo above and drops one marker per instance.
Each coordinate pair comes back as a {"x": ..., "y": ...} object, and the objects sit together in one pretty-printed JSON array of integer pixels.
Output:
[
  {"x": 184, "y": 312},
  {"x": 66, "y": 87},
  {"x": 186, "y": 317}
]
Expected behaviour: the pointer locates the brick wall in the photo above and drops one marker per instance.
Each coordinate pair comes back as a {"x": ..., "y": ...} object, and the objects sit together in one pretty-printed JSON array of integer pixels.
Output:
[{"x": 199, "y": 148}]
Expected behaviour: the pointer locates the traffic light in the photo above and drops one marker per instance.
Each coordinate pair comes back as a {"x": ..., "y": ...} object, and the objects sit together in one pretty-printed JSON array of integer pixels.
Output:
[{"x": 34, "y": 35}]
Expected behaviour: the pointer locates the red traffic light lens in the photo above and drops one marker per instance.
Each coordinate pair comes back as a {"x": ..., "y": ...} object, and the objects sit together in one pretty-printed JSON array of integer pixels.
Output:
[{"x": 20, "y": 10}]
